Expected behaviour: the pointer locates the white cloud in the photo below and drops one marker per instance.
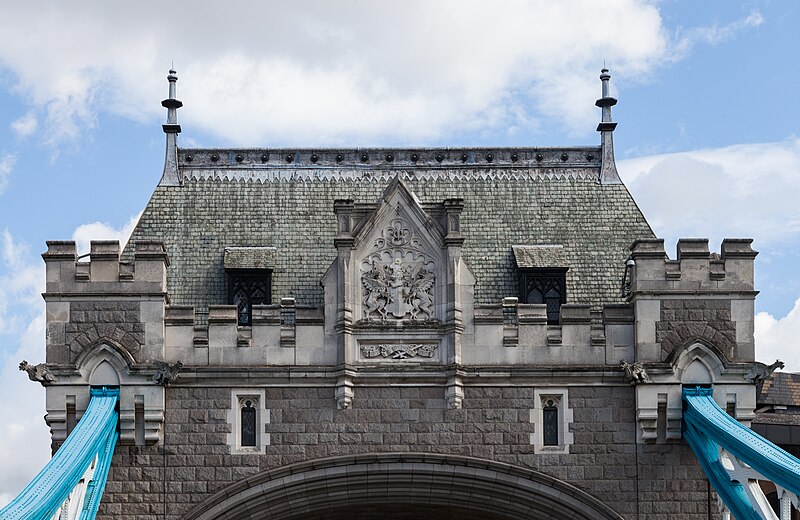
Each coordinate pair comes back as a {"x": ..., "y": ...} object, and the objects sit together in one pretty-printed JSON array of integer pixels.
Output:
[
  {"x": 715, "y": 34},
  {"x": 326, "y": 73},
  {"x": 85, "y": 233},
  {"x": 21, "y": 283},
  {"x": 7, "y": 161},
  {"x": 25, "y": 125},
  {"x": 779, "y": 338},
  {"x": 748, "y": 190}
]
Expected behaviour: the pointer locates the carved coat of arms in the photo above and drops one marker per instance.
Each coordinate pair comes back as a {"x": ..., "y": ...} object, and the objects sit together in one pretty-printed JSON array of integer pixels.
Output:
[{"x": 398, "y": 289}]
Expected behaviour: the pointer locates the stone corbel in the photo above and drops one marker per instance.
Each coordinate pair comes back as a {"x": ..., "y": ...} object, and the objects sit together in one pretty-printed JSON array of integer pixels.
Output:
[
  {"x": 141, "y": 416},
  {"x": 344, "y": 390},
  {"x": 455, "y": 390}
]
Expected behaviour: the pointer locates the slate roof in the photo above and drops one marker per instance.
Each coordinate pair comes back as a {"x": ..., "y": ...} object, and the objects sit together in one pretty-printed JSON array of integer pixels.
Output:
[
  {"x": 781, "y": 388},
  {"x": 283, "y": 199}
]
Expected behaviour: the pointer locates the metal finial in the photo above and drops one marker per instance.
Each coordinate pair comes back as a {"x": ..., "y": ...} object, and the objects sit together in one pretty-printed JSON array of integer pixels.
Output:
[
  {"x": 608, "y": 168},
  {"x": 171, "y": 176},
  {"x": 172, "y": 104}
]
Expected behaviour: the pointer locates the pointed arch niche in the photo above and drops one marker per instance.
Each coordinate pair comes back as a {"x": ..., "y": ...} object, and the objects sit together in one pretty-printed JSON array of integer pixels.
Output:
[
  {"x": 659, "y": 404},
  {"x": 107, "y": 363}
]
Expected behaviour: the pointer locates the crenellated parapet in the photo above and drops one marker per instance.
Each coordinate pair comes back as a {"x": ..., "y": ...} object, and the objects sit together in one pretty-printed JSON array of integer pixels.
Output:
[
  {"x": 519, "y": 334},
  {"x": 699, "y": 296},
  {"x": 105, "y": 299},
  {"x": 280, "y": 335},
  {"x": 105, "y": 326},
  {"x": 504, "y": 334},
  {"x": 694, "y": 320},
  {"x": 695, "y": 268}
]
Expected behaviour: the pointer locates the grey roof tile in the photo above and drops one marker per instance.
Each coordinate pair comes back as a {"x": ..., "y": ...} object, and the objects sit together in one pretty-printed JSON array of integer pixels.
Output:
[{"x": 291, "y": 209}]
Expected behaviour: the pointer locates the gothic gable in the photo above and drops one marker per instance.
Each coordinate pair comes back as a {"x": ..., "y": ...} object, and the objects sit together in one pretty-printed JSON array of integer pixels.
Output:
[{"x": 398, "y": 254}]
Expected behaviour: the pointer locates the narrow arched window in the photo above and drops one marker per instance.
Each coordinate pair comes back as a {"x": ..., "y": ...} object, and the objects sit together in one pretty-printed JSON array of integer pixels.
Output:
[
  {"x": 248, "y": 418},
  {"x": 550, "y": 423}
]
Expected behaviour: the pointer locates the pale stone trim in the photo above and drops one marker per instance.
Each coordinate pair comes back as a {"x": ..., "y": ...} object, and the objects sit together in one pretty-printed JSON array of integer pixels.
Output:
[
  {"x": 560, "y": 396},
  {"x": 258, "y": 397}
]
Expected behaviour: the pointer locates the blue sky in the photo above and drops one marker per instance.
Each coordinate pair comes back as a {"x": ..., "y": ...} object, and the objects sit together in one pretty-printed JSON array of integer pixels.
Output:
[{"x": 707, "y": 138}]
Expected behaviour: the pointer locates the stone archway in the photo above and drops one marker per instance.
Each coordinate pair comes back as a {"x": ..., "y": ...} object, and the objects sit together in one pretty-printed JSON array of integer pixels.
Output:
[{"x": 399, "y": 487}]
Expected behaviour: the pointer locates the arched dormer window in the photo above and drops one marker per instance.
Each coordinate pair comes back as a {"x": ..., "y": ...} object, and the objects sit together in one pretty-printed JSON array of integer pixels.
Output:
[
  {"x": 248, "y": 287},
  {"x": 546, "y": 286}
]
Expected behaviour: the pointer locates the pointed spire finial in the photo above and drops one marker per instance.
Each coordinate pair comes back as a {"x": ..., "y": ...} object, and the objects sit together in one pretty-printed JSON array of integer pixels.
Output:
[
  {"x": 608, "y": 168},
  {"x": 172, "y": 129}
]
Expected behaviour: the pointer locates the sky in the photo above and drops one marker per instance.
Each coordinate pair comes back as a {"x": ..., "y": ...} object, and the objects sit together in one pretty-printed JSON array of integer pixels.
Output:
[{"x": 707, "y": 140}]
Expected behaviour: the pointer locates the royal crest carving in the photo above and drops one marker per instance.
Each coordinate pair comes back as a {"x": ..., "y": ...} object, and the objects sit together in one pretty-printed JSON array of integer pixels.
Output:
[
  {"x": 397, "y": 277},
  {"x": 396, "y": 351},
  {"x": 398, "y": 290}
]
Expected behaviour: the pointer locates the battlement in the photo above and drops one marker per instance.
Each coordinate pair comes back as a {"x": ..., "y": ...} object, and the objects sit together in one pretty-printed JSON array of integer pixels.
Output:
[
  {"x": 699, "y": 296},
  {"x": 695, "y": 269},
  {"x": 104, "y": 272},
  {"x": 507, "y": 333}
]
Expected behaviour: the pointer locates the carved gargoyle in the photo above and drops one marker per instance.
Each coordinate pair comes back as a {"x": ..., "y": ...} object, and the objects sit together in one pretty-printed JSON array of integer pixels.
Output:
[
  {"x": 635, "y": 372},
  {"x": 38, "y": 373},
  {"x": 166, "y": 373},
  {"x": 759, "y": 372}
]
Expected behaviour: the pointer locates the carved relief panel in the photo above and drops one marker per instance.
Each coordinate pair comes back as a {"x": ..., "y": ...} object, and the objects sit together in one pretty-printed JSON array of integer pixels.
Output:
[{"x": 397, "y": 277}]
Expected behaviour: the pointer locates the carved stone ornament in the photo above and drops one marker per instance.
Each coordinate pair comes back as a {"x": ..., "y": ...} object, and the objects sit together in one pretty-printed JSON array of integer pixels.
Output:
[
  {"x": 396, "y": 277},
  {"x": 166, "y": 373},
  {"x": 635, "y": 372},
  {"x": 396, "y": 351},
  {"x": 761, "y": 372},
  {"x": 38, "y": 373}
]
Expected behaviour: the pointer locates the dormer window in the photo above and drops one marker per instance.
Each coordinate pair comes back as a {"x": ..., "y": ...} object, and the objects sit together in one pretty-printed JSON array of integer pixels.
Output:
[
  {"x": 247, "y": 288},
  {"x": 249, "y": 272},
  {"x": 542, "y": 276},
  {"x": 547, "y": 286}
]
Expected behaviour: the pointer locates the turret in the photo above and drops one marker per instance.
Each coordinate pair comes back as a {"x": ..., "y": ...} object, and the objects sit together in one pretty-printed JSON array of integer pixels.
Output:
[{"x": 105, "y": 327}]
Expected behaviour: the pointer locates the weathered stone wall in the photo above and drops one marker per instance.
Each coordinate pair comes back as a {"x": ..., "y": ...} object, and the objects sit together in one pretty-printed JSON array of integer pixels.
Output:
[
  {"x": 685, "y": 320},
  {"x": 655, "y": 481},
  {"x": 90, "y": 321}
]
